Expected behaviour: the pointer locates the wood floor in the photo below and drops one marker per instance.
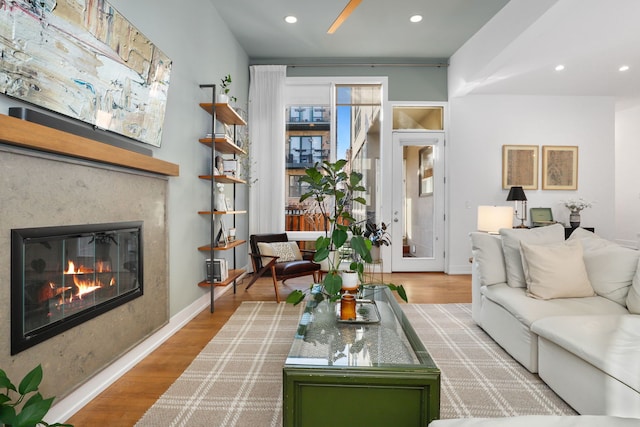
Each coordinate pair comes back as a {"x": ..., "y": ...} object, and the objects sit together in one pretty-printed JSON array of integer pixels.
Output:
[{"x": 124, "y": 403}]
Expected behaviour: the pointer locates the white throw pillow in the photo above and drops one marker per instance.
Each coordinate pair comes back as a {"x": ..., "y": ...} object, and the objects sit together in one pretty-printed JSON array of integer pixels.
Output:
[
  {"x": 487, "y": 252},
  {"x": 633, "y": 298},
  {"x": 511, "y": 238},
  {"x": 286, "y": 251},
  {"x": 611, "y": 269},
  {"x": 555, "y": 270},
  {"x": 590, "y": 240}
]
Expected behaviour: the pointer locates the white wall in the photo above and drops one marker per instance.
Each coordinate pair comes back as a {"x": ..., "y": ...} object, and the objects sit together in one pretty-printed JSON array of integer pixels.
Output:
[
  {"x": 627, "y": 174},
  {"x": 203, "y": 51},
  {"x": 481, "y": 124}
]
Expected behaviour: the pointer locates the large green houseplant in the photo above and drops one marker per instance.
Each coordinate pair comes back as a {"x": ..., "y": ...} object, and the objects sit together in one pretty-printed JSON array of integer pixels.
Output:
[
  {"x": 33, "y": 410},
  {"x": 335, "y": 192}
]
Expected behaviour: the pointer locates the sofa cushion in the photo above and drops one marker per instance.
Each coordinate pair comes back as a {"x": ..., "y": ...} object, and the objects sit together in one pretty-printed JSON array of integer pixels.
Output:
[
  {"x": 487, "y": 254},
  {"x": 539, "y": 421},
  {"x": 528, "y": 310},
  {"x": 286, "y": 251},
  {"x": 511, "y": 239},
  {"x": 610, "y": 343},
  {"x": 633, "y": 298},
  {"x": 555, "y": 270},
  {"x": 611, "y": 270}
]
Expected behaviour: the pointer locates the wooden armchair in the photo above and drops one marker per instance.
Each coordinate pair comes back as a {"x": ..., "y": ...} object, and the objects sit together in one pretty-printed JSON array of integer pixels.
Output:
[{"x": 285, "y": 260}]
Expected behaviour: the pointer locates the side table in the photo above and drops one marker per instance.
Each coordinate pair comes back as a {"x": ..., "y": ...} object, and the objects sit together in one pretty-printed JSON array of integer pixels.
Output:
[{"x": 569, "y": 230}]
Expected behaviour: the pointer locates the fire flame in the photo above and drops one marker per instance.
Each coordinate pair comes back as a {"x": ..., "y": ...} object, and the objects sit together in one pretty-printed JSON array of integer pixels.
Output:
[
  {"x": 71, "y": 269},
  {"x": 85, "y": 286}
]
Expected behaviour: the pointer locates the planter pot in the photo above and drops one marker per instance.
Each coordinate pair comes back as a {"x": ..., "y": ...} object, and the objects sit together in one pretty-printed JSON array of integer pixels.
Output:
[
  {"x": 330, "y": 262},
  {"x": 222, "y": 98},
  {"x": 375, "y": 253},
  {"x": 349, "y": 281}
]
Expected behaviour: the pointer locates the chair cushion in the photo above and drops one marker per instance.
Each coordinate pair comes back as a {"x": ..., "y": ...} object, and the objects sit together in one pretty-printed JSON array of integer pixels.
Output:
[
  {"x": 555, "y": 271},
  {"x": 295, "y": 268},
  {"x": 285, "y": 251}
]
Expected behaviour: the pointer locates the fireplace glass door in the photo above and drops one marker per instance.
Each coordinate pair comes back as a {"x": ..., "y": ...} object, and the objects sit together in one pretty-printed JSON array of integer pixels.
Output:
[{"x": 62, "y": 276}]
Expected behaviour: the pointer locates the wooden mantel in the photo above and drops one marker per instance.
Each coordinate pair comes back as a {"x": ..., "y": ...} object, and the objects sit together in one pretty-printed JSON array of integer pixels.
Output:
[{"x": 22, "y": 133}]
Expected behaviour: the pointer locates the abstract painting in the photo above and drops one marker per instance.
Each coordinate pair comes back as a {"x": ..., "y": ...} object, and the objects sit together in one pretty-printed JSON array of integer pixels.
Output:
[{"x": 83, "y": 59}]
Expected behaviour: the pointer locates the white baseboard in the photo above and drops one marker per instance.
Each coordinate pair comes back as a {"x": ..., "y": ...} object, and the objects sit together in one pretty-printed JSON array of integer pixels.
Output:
[
  {"x": 459, "y": 269},
  {"x": 76, "y": 400}
]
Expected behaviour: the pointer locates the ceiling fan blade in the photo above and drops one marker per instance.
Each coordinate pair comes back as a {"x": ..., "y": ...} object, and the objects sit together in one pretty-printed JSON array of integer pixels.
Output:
[{"x": 348, "y": 10}]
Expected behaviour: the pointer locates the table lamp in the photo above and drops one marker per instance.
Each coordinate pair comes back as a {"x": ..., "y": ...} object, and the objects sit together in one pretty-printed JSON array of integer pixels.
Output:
[
  {"x": 493, "y": 218},
  {"x": 516, "y": 194}
]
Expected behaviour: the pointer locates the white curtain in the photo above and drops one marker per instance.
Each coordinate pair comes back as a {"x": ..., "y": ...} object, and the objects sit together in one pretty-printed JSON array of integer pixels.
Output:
[{"x": 267, "y": 154}]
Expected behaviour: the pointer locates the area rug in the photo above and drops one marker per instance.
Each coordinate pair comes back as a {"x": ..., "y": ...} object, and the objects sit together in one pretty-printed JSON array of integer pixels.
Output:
[{"x": 237, "y": 378}]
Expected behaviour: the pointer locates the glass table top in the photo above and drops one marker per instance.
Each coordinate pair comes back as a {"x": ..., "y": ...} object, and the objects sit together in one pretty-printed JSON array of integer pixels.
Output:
[{"x": 323, "y": 340}]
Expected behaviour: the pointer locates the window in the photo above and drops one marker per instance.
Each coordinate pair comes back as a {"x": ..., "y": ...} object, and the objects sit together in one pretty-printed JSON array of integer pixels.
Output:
[
  {"x": 305, "y": 150},
  {"x": 316, "y": 131}
]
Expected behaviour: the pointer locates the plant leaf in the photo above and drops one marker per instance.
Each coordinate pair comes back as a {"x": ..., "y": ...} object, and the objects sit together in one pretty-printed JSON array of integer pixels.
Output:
[
  {"x": 400, "y": 290},
  {"x": 33, "y": 411},
  {"x": 5, "y": 382},
  {"x": 7, "y": 415},
  {"x": 295, "y": 297},
  {"x": 339, "y": 237},
  {"x": 31, "y": 381},
  {"x": 332, "y": 283}
]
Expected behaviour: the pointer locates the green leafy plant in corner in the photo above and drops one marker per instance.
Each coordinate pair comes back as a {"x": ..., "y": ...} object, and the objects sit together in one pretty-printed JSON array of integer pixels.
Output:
[
  {"x": 226, "y": 87},
  {"x": 335, "y": 192},
  {"x": 33, "y": 409}
]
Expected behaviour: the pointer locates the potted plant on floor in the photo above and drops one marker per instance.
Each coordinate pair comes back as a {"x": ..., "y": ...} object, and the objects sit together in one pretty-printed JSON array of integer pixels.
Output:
[
  {"x": 378, "y": 237},
  {"x": 335, "y": 192},
  {"x": 33, "y": 410}
]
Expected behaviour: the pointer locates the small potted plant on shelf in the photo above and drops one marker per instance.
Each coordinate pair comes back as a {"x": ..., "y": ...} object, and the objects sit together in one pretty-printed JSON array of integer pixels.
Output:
[
  {"x": 33, "y": 410},
  {"x": 225, "y": 87},
  {"x": 335, "y": 192}
]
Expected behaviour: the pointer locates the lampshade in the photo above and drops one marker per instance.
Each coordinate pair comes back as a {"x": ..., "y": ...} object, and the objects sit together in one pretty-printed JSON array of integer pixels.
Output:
[
  {"x": 516, "y": 193},
  {"x": 493, "y": 218}
]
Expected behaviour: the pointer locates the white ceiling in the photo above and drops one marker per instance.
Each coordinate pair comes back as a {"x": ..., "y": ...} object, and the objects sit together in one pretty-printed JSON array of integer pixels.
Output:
[{"x": 521, "y": 45}]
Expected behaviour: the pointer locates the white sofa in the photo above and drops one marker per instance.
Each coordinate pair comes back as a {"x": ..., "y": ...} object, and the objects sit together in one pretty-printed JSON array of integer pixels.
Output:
[{"x": 567, "y": 310}]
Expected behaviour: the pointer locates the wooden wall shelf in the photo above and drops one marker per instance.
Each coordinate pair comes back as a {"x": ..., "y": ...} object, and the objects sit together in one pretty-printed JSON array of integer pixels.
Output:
[{"x": 21, "y": 133}]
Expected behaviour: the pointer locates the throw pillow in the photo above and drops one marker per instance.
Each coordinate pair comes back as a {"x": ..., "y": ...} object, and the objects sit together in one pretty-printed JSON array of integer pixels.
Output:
[
  {"x": 633, "y": 298},
  {"x": 590, "y": 240},
  {"x": 487, "y": 253},
  {"x": 511, "y": 239},
  {"x": 611, "y": 269},
  {"x": 286, "y": 251},
  {"x": 555, "y": 271}
]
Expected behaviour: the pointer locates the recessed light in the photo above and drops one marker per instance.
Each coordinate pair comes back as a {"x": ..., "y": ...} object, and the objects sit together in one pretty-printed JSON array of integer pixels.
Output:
[
  {"x": 290, "y": 19},
  {"x": 559, "y": 67},
  {"x": 416, "y": 18},
  {"x": 623, "y": 68}
]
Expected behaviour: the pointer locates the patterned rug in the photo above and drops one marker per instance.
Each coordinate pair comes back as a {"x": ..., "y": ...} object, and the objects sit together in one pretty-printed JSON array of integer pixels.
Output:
[{"x": 237, "y": 378}]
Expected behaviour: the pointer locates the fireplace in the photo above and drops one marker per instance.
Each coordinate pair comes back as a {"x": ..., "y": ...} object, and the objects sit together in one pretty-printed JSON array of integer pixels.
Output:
[{"x": 67, "y": 275}]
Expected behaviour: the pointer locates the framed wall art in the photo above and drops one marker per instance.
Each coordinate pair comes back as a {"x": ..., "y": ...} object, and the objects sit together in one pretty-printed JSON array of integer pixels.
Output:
[
  {"x": 520, "y": 166},
  {"x": 559, "y": 167},
  {"x": 84, "y": 60},
  {"x": 426, "y": 171}
]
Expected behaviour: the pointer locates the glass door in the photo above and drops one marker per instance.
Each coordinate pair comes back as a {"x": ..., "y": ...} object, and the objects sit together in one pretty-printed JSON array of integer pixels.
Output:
[{"x": 418, "y": 189}]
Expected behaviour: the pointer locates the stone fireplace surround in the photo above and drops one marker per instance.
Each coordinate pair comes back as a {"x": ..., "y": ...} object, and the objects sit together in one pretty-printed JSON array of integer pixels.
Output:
[{"x": 41, "y": 189}]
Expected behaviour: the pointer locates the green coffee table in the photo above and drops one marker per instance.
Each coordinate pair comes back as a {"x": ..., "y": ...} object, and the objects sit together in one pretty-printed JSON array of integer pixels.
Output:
[{"x": 359, "y": 374}]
